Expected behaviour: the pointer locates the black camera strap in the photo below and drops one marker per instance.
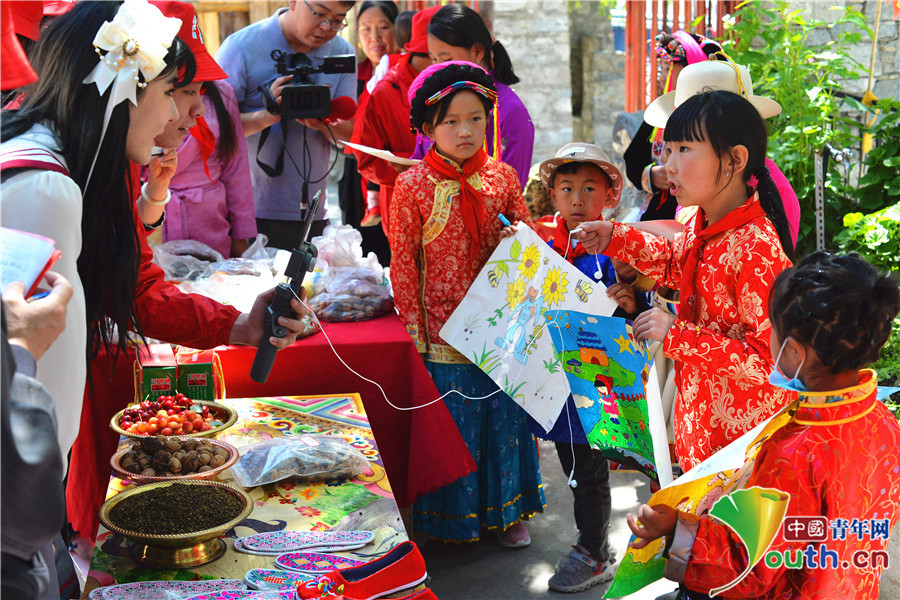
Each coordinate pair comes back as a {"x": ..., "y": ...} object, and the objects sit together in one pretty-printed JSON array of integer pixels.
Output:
[
  {"x": 279, "y": 162},
  {"x": 271, "y": 108}
]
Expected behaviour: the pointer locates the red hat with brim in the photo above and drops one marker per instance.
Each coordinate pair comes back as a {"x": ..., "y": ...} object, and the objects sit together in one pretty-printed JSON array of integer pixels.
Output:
[
  {"x": 26, "y": 16},
  {"x": 418, "y": 41},
  {"x": 15, "y": 71},
  {"x": 207, "y": 68}
]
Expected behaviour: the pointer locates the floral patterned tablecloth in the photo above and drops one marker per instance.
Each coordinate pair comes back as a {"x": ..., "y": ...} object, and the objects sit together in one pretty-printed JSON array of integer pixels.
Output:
[{"x": 362, "y": 503}]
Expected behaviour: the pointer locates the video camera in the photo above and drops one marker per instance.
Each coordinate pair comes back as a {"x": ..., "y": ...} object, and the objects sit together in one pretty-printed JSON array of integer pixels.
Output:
[{"x": 304, "y": 99}]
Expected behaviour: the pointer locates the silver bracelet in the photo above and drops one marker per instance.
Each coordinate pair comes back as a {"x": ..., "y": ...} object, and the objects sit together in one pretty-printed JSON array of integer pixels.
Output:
[{"x": 150, "y": 200}]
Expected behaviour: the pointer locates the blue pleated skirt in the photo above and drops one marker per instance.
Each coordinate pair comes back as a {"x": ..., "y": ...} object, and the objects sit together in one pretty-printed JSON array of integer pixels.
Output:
[{"x": 507, "y": 485}]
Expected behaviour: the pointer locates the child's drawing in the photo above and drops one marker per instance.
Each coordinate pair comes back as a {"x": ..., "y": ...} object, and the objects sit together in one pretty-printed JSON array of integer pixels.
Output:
[
  {"x": 527, "y": 310},
  {"x": 500, "y": 323},
  {"x": 608, "y": 372}
]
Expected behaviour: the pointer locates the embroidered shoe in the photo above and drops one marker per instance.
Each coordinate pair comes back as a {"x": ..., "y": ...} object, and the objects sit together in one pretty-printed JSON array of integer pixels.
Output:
[
  {"x": 516, "y": 536},
  {"x": 401, "y": 568},
  {"x": 371, "y": 218},
  {"x": 578, "y": 570}
]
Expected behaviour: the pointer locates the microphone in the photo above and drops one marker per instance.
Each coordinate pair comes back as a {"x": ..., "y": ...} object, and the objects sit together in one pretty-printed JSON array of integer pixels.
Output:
[{"x": 343, "y": 108}]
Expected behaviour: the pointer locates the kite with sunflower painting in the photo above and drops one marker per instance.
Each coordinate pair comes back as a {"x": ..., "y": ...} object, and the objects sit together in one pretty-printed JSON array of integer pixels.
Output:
[{"x": 500, "y": 322}]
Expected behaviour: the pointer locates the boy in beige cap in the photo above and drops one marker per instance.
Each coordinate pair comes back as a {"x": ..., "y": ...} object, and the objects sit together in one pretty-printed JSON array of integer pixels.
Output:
[{"x": 582, "y": 182}]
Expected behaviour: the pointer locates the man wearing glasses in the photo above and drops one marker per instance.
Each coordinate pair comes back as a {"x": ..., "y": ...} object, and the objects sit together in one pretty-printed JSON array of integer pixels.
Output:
[{"x": 309, "y": 27}]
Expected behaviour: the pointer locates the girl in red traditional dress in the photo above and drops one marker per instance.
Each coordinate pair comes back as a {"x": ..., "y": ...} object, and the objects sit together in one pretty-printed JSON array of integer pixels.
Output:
[
  {"x": 723, "y": 264},
  {"x": 836, "y": 456},
  {"x": 444, "y": 226}
]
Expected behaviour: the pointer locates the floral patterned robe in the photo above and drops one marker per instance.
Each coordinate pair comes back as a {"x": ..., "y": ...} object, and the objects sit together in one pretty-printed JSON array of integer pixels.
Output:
[
  {"x": 723, "y": 360},
  {"x": 431, "y": 264},
  {"x": 838, "y": 459}
]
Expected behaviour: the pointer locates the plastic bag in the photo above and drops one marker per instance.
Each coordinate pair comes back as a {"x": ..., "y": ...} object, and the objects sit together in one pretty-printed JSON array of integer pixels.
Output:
[
  {"x": 347, "y": 307},
  {"x": 341, "y": 246},
  {"x": 306, "y": 457},
  {"x": 183, "y": 260},
  {"x": 350, "y": 288}
]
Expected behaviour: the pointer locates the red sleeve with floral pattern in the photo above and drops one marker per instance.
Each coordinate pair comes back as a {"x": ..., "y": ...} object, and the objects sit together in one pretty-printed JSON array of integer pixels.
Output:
[
  {"x": 654, "y": 256},
  {"x": 731, "y": 336},
  {"x": 406, "y": 242}
]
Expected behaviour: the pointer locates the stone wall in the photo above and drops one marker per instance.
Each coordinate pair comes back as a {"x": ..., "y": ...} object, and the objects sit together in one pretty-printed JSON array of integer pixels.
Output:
[
  {"x": 536, "y": 35},
  {"x": 887, "y": 58}
]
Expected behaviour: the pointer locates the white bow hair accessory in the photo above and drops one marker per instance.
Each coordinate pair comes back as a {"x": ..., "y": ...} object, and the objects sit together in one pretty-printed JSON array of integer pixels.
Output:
[{"x": 138, "y": 38}]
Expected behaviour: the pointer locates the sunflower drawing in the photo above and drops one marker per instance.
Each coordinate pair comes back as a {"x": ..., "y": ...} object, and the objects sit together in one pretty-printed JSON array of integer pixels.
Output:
[
  {"x": 555, "y": 286},
  {"x": 531, "y": 260},
  {"x": 515, "y": 291}
]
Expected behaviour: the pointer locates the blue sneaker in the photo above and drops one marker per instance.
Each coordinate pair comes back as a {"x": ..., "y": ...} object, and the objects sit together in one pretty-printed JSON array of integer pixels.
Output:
[{"x": 578, "y": 571}]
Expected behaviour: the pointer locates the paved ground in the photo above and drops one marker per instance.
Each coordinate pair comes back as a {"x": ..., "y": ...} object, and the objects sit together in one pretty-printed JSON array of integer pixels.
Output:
[{"x": 487, "y": 571}]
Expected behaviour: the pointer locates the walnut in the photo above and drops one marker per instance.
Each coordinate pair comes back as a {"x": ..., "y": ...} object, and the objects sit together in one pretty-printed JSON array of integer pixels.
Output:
[
  {"x": 132, "y": 467},
  {"x": 190, "y": 465},
  {"x": 217, "y": 461},
  {"x": 220, "y": 451},
  {"x": 144, "y": 461},
  {"x": 148, "y": 472},
  {"x": 175, "y": 466},
  {"x": 160, "y": 461},
  {"x": 204, "y": 469},
  {"x": 204, "y": 458},
  {"x": 190, "y": 444},
  {"x": 173, "y": 445},
  {"x": 151, "y": 445}
]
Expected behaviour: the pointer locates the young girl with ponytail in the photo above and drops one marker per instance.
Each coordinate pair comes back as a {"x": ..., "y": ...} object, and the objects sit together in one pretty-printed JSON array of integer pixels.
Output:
[
  {"x": 457, "y": 32},
  {"x": 723, "y": 263}
]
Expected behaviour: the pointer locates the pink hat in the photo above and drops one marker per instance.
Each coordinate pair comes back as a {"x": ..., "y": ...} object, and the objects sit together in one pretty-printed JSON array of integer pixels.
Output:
[{"x": 431, "y": 70}]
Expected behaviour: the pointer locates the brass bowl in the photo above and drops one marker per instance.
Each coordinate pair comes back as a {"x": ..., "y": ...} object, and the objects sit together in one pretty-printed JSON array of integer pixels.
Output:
[
  {"x": 176, "y": 551},
  {"x": 115, "y": 463},
  {"x": 227, "y": 415}
]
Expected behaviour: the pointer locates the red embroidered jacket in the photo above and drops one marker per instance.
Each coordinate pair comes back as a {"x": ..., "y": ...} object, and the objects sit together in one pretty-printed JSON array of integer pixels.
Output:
[
  {"x": 723, "y": 360},
  {"x": 431, "y": 263},
  {"x": 838, "y": 459}
]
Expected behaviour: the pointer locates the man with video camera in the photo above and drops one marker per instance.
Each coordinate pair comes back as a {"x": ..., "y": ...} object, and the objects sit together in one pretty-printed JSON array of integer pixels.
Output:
[{"x": 295, "y": 82}]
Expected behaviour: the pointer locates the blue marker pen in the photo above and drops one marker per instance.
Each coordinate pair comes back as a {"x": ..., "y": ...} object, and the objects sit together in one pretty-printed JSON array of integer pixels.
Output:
[
  {"x": 39, "y": 296},
  {"x": 504, "y": 220}
]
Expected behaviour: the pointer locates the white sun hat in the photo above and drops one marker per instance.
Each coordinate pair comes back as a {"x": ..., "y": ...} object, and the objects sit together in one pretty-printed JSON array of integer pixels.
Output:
[{"x": 708, "y": 76}]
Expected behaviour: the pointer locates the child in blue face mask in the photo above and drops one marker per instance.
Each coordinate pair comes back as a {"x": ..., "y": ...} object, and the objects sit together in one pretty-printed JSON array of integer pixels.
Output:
[{"x": 837, "y": 455}]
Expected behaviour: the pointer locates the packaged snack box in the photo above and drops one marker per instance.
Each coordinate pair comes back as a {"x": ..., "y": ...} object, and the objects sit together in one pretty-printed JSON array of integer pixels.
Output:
[{"x": 154, "y": 372}]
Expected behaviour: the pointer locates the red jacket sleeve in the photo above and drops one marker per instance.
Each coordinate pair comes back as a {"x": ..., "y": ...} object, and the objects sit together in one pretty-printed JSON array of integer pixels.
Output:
[
  {"x": 381, "y": 128},
  {"x": 166, "y": 313}
]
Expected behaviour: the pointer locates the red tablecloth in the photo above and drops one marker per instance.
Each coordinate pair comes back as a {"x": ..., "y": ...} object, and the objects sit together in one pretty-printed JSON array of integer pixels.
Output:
[{"x": 421, "y": 449}]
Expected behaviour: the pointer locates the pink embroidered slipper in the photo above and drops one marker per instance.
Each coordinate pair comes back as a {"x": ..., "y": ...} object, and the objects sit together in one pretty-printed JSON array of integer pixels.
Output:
[
  {"x": 516, "y": 536},
  {"x": 401, "y": 568}
]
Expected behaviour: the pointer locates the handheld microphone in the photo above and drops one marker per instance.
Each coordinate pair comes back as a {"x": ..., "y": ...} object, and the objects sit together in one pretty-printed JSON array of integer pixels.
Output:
[
  {"x": 302, "y": 261},
  {"x": 343, "y": 108}
]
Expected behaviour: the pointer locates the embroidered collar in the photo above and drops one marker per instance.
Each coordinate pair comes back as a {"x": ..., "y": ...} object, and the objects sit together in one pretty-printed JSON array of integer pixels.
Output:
[{"x": 838, "y": 406}]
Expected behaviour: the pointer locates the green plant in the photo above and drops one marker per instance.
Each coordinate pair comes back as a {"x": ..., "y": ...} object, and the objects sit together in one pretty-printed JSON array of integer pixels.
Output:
[
  {"x": 774, "y": 41},
  {"x": 881, "y": 182},
  {"x": 876, "y": 237}
]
